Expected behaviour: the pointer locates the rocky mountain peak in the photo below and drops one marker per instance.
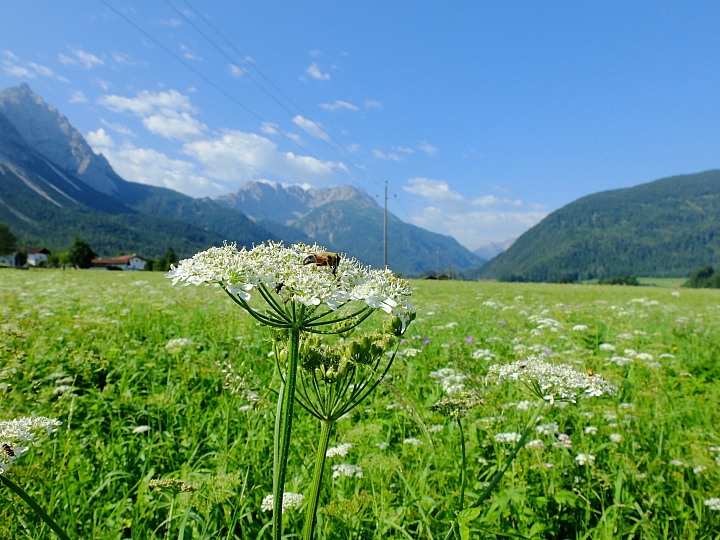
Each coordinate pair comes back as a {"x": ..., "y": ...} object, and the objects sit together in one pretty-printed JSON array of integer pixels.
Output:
[{"x": 49, "y": 132}]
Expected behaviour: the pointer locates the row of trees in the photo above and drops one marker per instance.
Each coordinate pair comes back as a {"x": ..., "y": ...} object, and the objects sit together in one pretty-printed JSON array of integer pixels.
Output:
[
  {"x": 80, "y": 254},
  {"x": 705, "y": 278}
]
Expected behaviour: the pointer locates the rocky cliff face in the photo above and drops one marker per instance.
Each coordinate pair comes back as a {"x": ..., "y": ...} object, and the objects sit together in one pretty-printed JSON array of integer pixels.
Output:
[
  {"x": 49, "y": 132},
  {"x": 262, "y": 200}
]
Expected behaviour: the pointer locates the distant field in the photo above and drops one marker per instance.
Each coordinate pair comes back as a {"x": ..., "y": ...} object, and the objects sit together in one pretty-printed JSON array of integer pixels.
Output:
[
  {"x": 665, "y": 283},
  {"x": 94, "y": 350}
]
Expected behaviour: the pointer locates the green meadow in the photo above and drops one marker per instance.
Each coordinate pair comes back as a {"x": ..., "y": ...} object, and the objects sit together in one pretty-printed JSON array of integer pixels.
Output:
[{"x": 160, "y": 382}]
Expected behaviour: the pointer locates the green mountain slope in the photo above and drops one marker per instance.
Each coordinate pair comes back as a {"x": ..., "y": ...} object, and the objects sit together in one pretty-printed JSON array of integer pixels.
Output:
[
  {"x": 356, "y": 228},
  {"x": 666, "y": 228}
]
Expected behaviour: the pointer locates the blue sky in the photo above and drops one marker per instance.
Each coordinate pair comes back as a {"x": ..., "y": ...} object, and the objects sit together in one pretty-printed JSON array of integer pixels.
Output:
[{"x": 481, "y": 116}]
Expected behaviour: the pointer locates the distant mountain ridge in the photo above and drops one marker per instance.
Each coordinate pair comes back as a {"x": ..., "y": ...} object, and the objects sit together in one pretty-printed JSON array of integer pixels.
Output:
[
  {"x": 493, "y": 249},
  {"x": 286, "y": 204},
  {"x": 666, "y": 228},
  {"x": 53, "y": 187}
]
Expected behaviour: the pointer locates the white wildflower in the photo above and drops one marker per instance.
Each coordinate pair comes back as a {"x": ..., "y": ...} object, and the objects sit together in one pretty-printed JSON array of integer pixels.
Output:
[
  {"x": 290, "y": 500},
  {"x": 563, "y": 441},
  {"x": 677, "y": 463},
  {"x": 699, "y": 469},
  {"x": 410, "y": 352},
  {"x": 485, "y": 354},
  {"x": 630, "y": 352},
  {"x": 345, "y": 469},
  {"x": 675, "y": 294},
  {"x": 713, "y": 503},
  {"x": 607, "y": 347},
  {"x": 436, "y": 428},
  {"x": 382, "y": 445},
  {"x": 535, "y": 444},
  {"x": 547, "y": 429},
  {"x": 413, "y": 441},
  {"x": 644, "y": 356},
  {"x": 616, "y": 437},
  {"x": 591, "y": 430},
  {"x": 274, "y": 269},
  {"x": 583, "y": 459},
  {"x": 554, "y": 381},
  {"x": 16, "y": 434},
  {"x": 507, "y": 437},
  {"x": 579, "y": 328},
  {"x": 339, "y": 450},
  {"x": 179, "y": 343},
  {"x": 523, "y": 405},
  {"x": 625, "y": 336},
  {"x": 141, "y": 429}
]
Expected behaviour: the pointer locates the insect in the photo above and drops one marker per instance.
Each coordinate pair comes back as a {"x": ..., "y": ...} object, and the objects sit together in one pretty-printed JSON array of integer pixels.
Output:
[
  {"x": 324, "y": 258},
  {"x": 591, "y": 371},
  {"x": 279, "y": 287},
  {"x": 7, "y": 450}
]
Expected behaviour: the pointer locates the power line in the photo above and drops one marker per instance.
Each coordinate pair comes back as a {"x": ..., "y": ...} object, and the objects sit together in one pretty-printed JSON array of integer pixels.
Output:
[
  {"x": 207, "y": 80},
  {"x": 342, "y": 153}
]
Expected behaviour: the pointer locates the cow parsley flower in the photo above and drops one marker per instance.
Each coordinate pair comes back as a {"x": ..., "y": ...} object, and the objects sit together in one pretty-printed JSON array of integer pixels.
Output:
[
  {"x": 606, "y": 347},
  {"x": 713, "y": 503},
  {"x": 579, "y": 328},
  {"x": 290, "y": 500},
  {"x": 547, "y": 429},
  {"x": 339, "y": 450},
  {"x": 553, "y": 381},
  {"x": 345, "y": 469},
  {"x": 15, "y": 435},
  {"x": 535, "y": 444},
  {"x": 591, "y": 430},
  {"x": 412, "y": 441},
  {"x": 271, "y": 270},
  {"x": 507, "y": 437},
  {"x": 583, "y": 459},
  {"x": 616, "y": 437}
]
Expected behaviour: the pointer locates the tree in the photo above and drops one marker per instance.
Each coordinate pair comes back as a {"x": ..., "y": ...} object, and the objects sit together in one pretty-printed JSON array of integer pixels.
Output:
[
  {"x": 81, "y": 255},
  {"x": 164, "y": 263},
  {"x": 8, "y": 241}
]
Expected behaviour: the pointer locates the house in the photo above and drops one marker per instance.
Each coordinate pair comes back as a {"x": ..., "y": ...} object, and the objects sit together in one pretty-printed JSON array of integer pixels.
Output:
[
  {"x": 124, "y": 262},
  {"x": 35, "y": 256}
]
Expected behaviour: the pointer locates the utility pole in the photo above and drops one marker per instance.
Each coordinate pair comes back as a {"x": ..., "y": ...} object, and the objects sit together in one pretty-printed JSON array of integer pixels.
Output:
[
  {"x": 450, "y": 270},
  {"x": 385, "y": 230}
]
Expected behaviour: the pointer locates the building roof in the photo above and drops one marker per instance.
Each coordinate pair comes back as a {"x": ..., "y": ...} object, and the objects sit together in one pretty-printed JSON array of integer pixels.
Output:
[
  {"x": 122, "y": 259},
  {"x": 36, "y": 250}
]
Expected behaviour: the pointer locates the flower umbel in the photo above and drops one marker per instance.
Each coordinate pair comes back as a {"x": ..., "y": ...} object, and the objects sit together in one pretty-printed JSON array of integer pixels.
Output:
[
  {"x": 549, "y": 380},
  {"x": 16, "y": 434}
]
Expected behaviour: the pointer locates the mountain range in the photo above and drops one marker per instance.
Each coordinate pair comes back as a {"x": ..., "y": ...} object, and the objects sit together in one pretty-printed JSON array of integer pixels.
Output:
[
  {"x": 54, "y": 187},
  {"x": 666, "y": 228}
]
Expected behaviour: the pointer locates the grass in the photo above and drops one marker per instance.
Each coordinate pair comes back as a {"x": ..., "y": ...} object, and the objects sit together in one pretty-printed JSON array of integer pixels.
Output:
[{"x": 89, "y": 348}]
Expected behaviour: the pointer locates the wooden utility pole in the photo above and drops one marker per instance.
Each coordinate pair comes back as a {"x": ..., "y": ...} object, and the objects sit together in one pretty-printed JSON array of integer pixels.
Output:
[{"x": 385, "y": 230}]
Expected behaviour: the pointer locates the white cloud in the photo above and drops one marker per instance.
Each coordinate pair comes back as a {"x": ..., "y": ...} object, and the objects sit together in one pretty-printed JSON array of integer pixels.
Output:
[
  {"x": 314, "y": 71},
  {"x": 148, "y": 166},
  {"x": 370, "y": 104},
  {"x": 17, "y": 71},
  {"x": 432, "y": 189},
  {"x": 313, "y": 128},
  {"x": 237, "y": 157},
  {"x": 235, "y": 70},
  {"x": 269, "y": 128},
  {"x": 164, "y": 113},
  {"x": 174, "y": 125},
  {"x": 492, "y": 200},
  {"x": 332, "y": 107},
  {"x": 477, "y": 228},
  {"x": 82, "y": 59},
  {"x": 386, "y": 157},
  {"x": 12, "y": 65},
  {"x": 121, "y": 58},
  {"x": 146, "y": 102},
  {"x": 352, "y": 147},
  {"x": 429, "y": 149},
  {"x": 102, "y": 83},
  {"x": 118, "y": 128},
  {"x": 187, "y": 53},
  {"x": 78, "y": 97},
  {"x": 404, "y": 149}
]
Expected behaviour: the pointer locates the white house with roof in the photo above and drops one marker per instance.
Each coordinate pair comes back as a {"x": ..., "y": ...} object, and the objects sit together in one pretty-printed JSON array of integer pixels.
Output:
[
  {"x": 124, "y": 262},
  {"x": 8, "y": 260},
  {"x": 35, "y": 256}
]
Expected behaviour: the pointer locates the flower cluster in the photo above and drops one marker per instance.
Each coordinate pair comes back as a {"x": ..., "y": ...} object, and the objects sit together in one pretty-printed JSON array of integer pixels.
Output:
[
  {"x": 553, "y": 381},
  {"x": 345, "y": 469},
  {"x": 339, "y": 450},
  {"x": 455, "y": 407},
  {"x": 290, "y": 500},
  {"x": 281, "y": 269},
  {"x": 15, "y": 434},
  {"x": 173, "y": 485}
]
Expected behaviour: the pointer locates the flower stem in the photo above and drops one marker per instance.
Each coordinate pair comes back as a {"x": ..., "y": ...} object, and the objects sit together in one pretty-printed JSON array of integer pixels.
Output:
[
  {"x": 506, "y": 464},
  {"x": 286, "y": 400},
  {"x": 463, "y": 472},
  {"x": 35, "y": 506},
  {"x": 314, "y": 496}
]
